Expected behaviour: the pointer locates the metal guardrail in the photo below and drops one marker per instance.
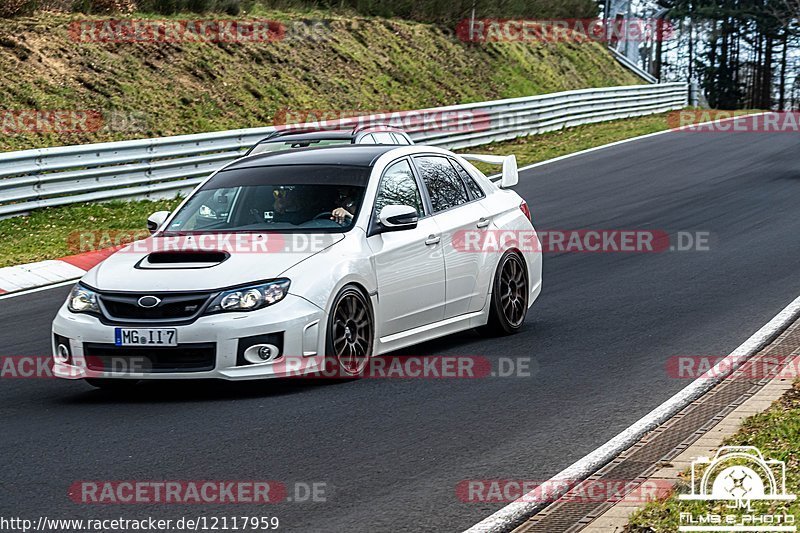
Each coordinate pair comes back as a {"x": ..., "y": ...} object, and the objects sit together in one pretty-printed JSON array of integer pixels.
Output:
[
  {"x": 166, "y": 166},
  {"x": 632, "y": 66}
]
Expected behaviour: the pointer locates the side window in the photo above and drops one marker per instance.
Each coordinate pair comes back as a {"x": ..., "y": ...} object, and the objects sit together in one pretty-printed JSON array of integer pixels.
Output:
[
  {"x": 399, "y": 187},
  {"x": 400, "y": 139},
  {"x": 383, "y": 137},
  {"x": 472, "y": 185},
  {"x": 367, "y": 139},
  {"x": 444, "y": 186}
]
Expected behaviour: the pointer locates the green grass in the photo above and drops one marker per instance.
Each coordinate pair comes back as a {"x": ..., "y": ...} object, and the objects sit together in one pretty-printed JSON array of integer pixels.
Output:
[
  {"x": 776, "y": 432},
  {"x": 54, "y": 232},
  {"x": 363, "y": 64}
]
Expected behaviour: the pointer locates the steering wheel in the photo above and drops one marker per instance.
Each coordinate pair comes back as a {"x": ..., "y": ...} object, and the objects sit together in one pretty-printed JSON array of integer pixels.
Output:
[{"x": 324, "y": 214}]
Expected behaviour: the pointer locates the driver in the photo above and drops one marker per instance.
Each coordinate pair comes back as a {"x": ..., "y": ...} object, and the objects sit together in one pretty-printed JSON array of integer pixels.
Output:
[{"x": 348, "y": 206}]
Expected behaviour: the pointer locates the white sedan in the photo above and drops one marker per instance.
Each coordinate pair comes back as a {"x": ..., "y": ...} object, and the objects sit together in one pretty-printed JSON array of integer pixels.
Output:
[{"x": 306, "y": 261}]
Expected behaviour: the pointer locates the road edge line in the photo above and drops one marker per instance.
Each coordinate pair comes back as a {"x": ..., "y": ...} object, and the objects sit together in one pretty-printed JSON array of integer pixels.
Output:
[
  {"x": 631, "y": 139},
  {"x": 32, "y": 290},
  {"x": 520, "y": 510}
]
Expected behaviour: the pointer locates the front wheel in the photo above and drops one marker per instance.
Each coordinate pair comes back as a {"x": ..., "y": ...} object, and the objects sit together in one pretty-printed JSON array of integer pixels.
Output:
[
  {"x": 350, "y": 335},
  {"x": 509, "y": 303}
]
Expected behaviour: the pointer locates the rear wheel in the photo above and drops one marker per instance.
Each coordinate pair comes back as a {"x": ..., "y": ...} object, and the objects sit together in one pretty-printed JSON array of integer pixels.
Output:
[
  {"x": 350, "y": 335},
  {"x": 112, "y": 384},
  {"x": 509, "y": 303}
]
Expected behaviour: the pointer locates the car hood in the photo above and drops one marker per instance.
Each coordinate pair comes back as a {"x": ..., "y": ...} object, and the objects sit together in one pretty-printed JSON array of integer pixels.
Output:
[{"x": 191, "y": 264}]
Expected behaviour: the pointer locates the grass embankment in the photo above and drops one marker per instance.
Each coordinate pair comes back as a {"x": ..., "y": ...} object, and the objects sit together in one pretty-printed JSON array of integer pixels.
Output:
[
  {"x": 357, "y": 63},
  {"x": 45, "y": 234},
  {"x": 776, "y": 432},
  {"x": 54, "y": 232}
]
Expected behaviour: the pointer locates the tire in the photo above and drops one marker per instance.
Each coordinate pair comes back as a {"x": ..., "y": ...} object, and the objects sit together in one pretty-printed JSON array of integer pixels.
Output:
[
  {"x": 111, "y": 384},
  {"x": 350, "y": 335},
  {"x": 509, "y": 303}
]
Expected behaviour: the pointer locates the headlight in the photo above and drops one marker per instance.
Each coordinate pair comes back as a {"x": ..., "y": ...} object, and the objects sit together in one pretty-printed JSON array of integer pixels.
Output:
[
  {"x": 250, "y": 298},
  {"x": 82, "y": 300}
]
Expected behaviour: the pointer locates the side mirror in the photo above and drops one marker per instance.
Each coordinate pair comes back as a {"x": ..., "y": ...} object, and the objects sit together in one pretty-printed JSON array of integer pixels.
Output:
[
  {"x": 398, "y": 217},
  {"x": 155, "y": 220}
]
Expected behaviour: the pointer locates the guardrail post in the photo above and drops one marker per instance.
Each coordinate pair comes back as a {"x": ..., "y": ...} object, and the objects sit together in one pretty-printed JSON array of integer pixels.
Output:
[{"x": 694, "y": 95}]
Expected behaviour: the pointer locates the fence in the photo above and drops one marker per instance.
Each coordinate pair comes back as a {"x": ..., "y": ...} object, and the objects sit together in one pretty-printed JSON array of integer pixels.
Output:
[{"x": 158, "y": 167}]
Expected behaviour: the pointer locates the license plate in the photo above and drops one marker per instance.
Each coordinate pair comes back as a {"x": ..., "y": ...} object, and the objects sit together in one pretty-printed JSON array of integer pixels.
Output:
[{"x": 145, "y": 337}]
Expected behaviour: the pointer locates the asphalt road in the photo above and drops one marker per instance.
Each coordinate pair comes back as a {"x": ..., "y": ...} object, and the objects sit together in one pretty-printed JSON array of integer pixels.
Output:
[{"x": 392, "y": 451}]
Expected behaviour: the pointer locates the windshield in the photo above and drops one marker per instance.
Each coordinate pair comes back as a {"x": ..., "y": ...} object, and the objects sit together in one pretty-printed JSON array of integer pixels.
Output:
[
  {"x": 274, "y": 146},
  {"x": 286, "y": 199}
]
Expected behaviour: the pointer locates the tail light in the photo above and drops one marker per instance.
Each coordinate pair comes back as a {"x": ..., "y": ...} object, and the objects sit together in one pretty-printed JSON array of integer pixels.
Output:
[{"x": 524, "y": 208}]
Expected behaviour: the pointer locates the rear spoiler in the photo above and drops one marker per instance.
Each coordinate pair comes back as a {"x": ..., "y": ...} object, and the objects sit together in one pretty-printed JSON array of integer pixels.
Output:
[{"x": 509, "y": 176}]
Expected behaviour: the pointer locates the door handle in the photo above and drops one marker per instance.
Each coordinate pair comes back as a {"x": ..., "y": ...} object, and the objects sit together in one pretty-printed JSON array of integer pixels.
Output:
[
  {"x": 432, "y": 239},
  {"x": 483, "y": 222}
]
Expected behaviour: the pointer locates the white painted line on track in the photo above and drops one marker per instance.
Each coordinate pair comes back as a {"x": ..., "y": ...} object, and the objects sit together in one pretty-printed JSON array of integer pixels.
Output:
[
  {"x": 516, "y": 512},
  {"x": 39, "y": 289},
  {"x": 594, "y": 149},
  {"x": 625, "y": 141}
]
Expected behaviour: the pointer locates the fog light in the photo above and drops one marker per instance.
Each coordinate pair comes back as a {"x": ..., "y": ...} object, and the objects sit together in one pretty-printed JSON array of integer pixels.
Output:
[
  {"x": 62, "y": 354},
  {"x": 261, "y": 353}
]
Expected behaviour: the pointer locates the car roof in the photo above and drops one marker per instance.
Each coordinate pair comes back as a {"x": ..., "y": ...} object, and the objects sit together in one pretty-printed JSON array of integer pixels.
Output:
[
  {"x": 311, "y": 136},
  {"x": 358, "y": 155},
  {"x": 323, "y": 134}
]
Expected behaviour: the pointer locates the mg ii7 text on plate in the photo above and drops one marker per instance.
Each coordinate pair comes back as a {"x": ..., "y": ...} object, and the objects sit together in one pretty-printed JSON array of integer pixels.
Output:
[{"x": 145, "y": 337}]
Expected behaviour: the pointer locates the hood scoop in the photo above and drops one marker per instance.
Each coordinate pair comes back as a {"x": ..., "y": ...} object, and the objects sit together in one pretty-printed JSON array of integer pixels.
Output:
[{"x": 191, "y": 259}]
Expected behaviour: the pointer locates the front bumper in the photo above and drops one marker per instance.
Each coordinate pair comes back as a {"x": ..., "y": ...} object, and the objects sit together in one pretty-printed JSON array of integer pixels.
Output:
[{"x": 301, "y": 323}]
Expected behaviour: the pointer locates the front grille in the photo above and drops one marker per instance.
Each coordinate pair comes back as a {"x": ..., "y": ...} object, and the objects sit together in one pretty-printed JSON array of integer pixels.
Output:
[
  {"x": 198, "y": 357},
  {"x": 176, "y": 306}
]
